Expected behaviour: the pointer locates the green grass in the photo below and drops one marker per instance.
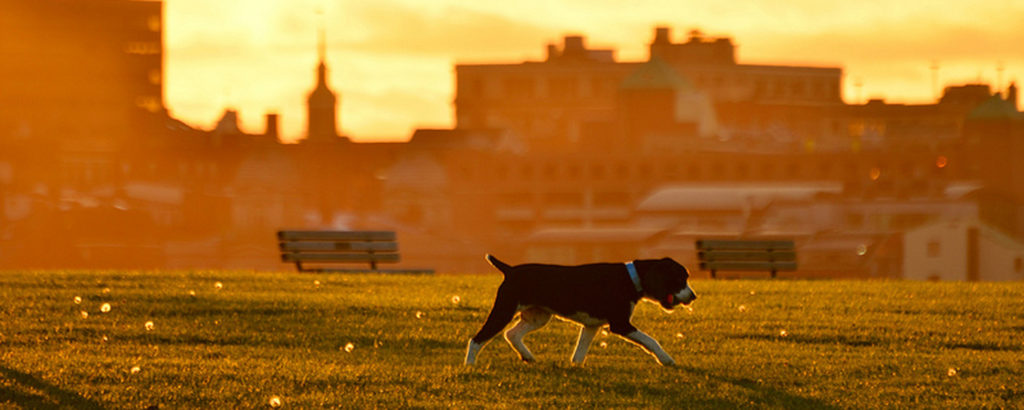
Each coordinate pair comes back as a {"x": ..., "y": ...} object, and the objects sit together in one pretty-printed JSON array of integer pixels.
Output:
[{"x": 846, "y": 345}]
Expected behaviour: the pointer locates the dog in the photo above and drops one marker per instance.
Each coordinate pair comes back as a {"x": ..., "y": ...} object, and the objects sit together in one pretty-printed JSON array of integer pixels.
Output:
[{"x": 592, "y": 295}]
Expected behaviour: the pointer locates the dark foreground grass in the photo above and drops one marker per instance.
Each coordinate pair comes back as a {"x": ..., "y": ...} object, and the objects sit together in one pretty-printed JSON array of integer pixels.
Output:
[{"x": 357, "y": 341}]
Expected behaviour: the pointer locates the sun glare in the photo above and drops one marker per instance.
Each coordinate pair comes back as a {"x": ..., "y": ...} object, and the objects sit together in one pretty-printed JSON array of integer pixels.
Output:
[{"x": 391, "y": 62}]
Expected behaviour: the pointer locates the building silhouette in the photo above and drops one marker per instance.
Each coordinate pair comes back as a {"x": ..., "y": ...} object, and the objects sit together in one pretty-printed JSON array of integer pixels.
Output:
[
  {"x": 322, "y": 103},
  {"x": 576, "y": 158}
]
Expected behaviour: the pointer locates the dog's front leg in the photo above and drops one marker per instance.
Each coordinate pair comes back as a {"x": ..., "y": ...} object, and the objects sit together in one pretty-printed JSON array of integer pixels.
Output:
[
  {"x": 587, "y": 334},
  {"x": 651, "y": 346}
]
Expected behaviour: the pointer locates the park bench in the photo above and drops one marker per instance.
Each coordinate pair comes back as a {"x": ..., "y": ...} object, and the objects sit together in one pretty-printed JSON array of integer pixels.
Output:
[
  {"x": 333, "y": 247},
  {"x": 746, "y": 255}
]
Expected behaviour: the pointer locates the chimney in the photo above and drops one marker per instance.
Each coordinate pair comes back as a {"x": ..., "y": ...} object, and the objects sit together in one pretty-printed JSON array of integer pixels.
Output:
[
  {"x": 272, "y": 126},
  {"x": 574, "y": 47},
  {"x": 552, "y": 52},
  {"x": 662, "y": 35},
  {"x": 1011, "y": 94}
]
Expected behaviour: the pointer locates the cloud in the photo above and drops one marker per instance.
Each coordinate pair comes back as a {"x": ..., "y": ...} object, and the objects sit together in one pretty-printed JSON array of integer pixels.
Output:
[{"x": 455, "y": 32}]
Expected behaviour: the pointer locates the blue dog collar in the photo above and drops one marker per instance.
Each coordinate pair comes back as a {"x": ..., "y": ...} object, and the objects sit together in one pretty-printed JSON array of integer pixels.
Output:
[{"x": 633, "y": 276}]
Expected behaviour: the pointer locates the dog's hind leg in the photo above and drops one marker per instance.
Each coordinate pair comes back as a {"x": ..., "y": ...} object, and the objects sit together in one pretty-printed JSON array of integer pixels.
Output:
[
  {"x": 529, "y": 320},
  {"x": 587, "y": 334},
  {"x": 502, "y": 312}
]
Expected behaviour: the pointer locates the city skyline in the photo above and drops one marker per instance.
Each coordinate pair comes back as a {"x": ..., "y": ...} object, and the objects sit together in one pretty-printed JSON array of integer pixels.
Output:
[{"x": 391, "y": 63}]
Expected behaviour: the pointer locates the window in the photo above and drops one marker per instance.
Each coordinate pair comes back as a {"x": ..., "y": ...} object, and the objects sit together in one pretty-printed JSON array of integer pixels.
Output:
[
  {"x": 550, "y": 171},
  {"x": 742, "y": 171},
  {"x": 143, "y": 48},
  {"x": 611, "y": 199},
  {"x": 934, "y": 248},
  {"x": 854, "y": 220},
  {"x": 153, "y": 23},
  {"x": 824, "y": 169},
  {"x": 517, "y": 87},
  {"x": 563, "y": 199},
  {"x": 526, "y": 172},
  {"x": 622, "y": 171}
]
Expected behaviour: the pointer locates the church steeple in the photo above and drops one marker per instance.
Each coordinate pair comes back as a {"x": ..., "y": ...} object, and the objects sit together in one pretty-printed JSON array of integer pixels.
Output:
[{"x": 322, "y": 125}]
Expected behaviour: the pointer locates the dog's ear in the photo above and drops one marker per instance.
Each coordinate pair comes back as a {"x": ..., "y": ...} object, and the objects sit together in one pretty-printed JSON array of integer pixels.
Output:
[{"x": 676, "y": 266}]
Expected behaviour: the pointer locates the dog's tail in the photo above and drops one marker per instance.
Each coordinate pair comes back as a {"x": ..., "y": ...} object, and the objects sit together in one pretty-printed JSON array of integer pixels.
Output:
[{"x": 502, "y": 266}]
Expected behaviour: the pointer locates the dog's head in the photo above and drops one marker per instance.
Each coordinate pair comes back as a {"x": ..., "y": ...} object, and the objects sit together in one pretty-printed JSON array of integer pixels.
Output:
[{"x": 665, "y": 281}]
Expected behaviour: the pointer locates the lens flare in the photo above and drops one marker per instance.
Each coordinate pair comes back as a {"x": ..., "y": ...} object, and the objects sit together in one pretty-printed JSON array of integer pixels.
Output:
[
  {"x": 742, "y": 308},
  {"x": 149, "y": 325},
  {"x": 951, "y": 372},
  {"x": 135, "y": 369},
  {"x": 192, "y": 293},
  {"x": 456, "y": 299},
  {"x": 349, "y": 347},
  {"x": 316, "y": 284},
  {"x": 603, "y": 345},
  {"x": 85, "y": 315},
  {"x": 419, "y": 315},
  {"x": 275, "y": 401},
  {"x": 106, "y": 291},
  {"x": 105, "y": 308},
  {"x": 783, "y": 333},
  {"x": 218, "y": 285},
  {"x": 78, "y": 300}
]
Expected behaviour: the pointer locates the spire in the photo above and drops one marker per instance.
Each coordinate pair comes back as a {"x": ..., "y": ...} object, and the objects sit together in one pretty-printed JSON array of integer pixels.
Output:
[
  {"x": 321, "y": 52},
  {"x": 322, "y": 102},
  {"x": 322, "y": 44}
]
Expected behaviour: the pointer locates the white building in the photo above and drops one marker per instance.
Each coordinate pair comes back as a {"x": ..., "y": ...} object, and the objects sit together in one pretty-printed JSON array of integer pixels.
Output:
[{"x": 961, "y": 249}]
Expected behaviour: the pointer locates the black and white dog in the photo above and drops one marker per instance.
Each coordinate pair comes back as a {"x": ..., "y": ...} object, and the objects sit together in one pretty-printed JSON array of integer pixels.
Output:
[{"x": 592, "y": 295}]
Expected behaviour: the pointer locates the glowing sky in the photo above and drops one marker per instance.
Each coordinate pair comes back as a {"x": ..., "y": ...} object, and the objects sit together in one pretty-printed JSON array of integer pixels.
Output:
[{"x": 392, "y": 60}]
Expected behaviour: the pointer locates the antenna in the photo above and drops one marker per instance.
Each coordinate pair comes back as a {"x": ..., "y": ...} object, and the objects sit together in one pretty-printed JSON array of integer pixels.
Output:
[
  {"x": 321, "y": 49},
  {"x": 858, "y": 83},
  {"x": 1000, "y": 67}
]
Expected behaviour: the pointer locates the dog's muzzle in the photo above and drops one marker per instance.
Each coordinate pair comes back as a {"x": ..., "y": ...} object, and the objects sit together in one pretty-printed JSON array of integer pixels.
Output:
[{"x": 684, "y": 297}]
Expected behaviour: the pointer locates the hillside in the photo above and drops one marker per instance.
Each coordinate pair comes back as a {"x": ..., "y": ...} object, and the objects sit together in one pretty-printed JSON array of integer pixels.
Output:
[{"x": 177, "y": 339}]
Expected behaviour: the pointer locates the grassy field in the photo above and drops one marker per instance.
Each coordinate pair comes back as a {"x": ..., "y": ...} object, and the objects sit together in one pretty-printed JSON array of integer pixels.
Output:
[{"x": 222, "y": 339}]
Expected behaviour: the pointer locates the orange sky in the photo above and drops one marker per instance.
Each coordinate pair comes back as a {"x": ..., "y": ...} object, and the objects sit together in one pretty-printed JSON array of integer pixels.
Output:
[{"x": 392, "y": 60}]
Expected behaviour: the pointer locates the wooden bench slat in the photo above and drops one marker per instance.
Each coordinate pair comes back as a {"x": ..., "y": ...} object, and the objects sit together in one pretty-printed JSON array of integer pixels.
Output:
[
  {"x": 745, "y": 255},
  {"x": 340, "y": 257},
  {"x": 723, "y": 244},
  {"x": 357, "y": 270},
  {"x": 327, "y": 247},
  {"x": 748, "y": 266},
  {"x": 338, "y": 246},
  {"x": 336, "y": 236}
]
